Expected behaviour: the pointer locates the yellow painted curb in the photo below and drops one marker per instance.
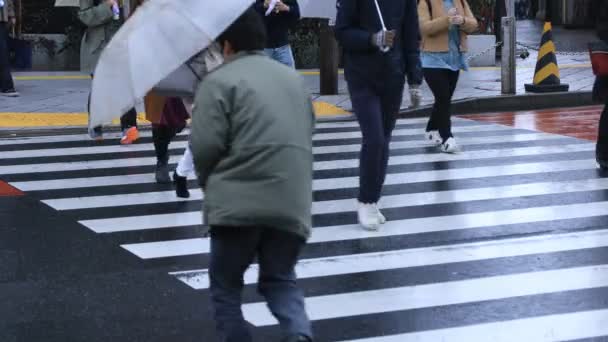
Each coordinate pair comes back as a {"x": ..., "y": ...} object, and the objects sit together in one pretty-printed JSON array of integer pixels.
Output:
[{"x": 18, "y": 120}]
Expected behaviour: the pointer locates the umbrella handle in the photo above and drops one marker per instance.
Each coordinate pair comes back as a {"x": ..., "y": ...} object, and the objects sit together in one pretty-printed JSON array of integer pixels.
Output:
[{"x": 384, "y": 49}]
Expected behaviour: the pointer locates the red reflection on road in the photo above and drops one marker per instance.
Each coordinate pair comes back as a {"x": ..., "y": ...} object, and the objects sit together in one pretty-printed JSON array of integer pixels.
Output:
[
  {"x": 581, "y": 122},
  {"x": 8, "y": 190}
]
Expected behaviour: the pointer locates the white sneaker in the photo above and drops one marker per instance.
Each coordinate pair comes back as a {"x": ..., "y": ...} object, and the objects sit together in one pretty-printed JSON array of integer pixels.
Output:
[
  {"x": 381, "y": 217},
  {"x": 368, "y": 216},
  {"x": 450, "y": 146},
  {"x": 433, "y": 137},
  {"x": 415, "y": 97}
]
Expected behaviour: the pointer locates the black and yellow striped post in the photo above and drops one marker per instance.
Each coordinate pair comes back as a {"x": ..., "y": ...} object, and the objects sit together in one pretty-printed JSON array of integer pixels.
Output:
[{"x": 546, "y": 75}]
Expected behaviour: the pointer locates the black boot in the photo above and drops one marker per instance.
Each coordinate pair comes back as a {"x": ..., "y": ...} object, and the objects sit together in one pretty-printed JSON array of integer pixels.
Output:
[
  {"x": 162, "y": 173},
  {"x": 181, "y": 186}
]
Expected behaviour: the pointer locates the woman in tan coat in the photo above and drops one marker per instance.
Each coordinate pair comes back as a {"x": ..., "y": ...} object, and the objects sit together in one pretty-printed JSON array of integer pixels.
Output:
[{"x": 444, "y": 25}]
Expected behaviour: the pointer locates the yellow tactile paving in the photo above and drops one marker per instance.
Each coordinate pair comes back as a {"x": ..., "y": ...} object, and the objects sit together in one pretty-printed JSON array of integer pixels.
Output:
[{"x": 18, "y": 120}]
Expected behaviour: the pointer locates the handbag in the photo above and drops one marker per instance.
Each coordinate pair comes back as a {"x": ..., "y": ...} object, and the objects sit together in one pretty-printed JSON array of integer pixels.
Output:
[
  {"x": 184, "y": 81},
  {"x": 599, "y": 58}
]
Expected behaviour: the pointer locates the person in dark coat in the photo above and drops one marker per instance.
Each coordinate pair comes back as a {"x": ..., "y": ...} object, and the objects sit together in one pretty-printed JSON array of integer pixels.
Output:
[
  {"x": 376, "y": 82},
  {"x": 600, "y": 90},
  {"x": 251, "y": 140}
]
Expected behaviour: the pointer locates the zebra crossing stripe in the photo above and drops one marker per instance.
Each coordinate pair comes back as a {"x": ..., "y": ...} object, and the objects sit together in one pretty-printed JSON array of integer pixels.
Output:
[
  {"x": 346, "y": 205},
  {"x": 550, "y": 328},
  {"x": 440, "y": 294},
  {"x": 398, "y": 259},
  {"x": 461, "y": 173}
]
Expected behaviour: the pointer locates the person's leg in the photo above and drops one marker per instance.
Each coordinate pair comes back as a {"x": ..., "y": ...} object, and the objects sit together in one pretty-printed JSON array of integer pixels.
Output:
[
  {"x": 278, "y": 254},
  {"x": 185, "y": 166},
  {"x": 446, "y": 119},
  {"x": 129, "y": 119},
  {"x": 128, "y": 124},
  {"x": 284, "y": 55},
  {"x": 601, "y": 151},
  {"x": 96, "y": 132},
  {"x": 391, "y": 104},
  {"x": 232, "y": 251},
  {"x": 7, "y": 86},
  {"x": 162, "y": 135},
  {"x": 367, "y": 108},
  {"x": 438, "y": 81}
]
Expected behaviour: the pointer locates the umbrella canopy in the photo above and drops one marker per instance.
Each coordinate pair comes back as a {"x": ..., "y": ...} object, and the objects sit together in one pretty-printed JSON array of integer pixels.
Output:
[
  {"x": 154, "y": 42},
  {"x": 67, "y": 3}
]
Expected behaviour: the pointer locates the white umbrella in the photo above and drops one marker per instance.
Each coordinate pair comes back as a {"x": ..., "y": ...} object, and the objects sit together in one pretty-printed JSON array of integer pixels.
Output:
[
  {"x": 67, "y": 3},
  {"x": 154, "y": 42}
]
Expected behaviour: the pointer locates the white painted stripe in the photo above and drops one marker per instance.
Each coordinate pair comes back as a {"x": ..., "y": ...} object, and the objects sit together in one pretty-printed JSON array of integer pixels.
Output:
[
  {"x": 173, "y": 248},
  {"x": 398, "y": 259},
  {"x": 462, "y": 173},
  {"x": 91, "y": 150},
  {"x": 123, "y": 224},
  {"x": 411, "y": 132},
  {"x": 132, "y": 162},
  {"x": 391, "y": 228},
  {"x": 121, "y": 200},
  {"x": 461, "y": 141},
  {"x": 72, "y": 183},
  {"x": 346, "y": 205},
  {"x": 440, "y": 294},
  {"x": 553, "y": 328}
]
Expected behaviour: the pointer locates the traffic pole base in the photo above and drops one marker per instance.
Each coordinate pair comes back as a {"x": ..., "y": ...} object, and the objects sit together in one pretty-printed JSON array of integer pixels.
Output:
[{"x": 547, "y": 88}]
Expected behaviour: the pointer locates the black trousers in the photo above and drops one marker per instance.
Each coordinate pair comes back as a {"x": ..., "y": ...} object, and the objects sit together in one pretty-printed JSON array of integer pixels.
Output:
[
  {"x": 602, "y": 137},
  {"x": 162, "y": 136},
  {"x": 6, "y": 80},
  {"x": 443, "y": 84}
]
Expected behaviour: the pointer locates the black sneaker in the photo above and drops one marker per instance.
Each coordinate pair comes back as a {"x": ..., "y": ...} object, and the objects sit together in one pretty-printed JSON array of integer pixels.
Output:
[
  {"x": 181, "y": 186},
  {"x": 9, "y": 93}
]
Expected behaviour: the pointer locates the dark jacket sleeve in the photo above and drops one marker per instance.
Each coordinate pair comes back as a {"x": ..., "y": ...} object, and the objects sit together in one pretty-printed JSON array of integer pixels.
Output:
[
  {"x": 294, "y": 12},
  {"x": 348, "y": 33},
  {"x": 411, "y": 43},
  {"x": 259, "y": 7}
]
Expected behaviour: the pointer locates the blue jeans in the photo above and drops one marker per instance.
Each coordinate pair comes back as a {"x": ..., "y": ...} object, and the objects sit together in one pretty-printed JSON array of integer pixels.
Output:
[
  {"x": 282, "y": 54},
  {"x": 375, "y": 109},
  {"x": 233, "y": 249}
]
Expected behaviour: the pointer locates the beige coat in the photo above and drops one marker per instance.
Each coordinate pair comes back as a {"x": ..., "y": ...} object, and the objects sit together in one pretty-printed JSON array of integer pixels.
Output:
[{"x": 434, "y": 27}]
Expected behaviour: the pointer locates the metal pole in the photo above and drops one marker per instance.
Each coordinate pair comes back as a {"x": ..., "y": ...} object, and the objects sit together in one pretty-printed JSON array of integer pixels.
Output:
[{"x": 509, "y": 38}]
